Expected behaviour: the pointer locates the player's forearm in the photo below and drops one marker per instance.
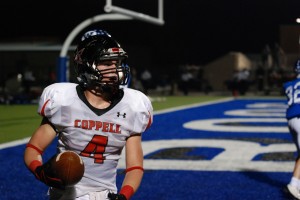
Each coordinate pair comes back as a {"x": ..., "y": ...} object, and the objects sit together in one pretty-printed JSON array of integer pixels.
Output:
[
  {"x": 30, "y": 155},
  {"x": 131, "y": 182}
]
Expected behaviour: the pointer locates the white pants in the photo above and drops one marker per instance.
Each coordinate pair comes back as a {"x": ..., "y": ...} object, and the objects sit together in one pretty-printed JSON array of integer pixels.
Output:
[
  {"x": 69, "y": 195},
  {"x": 294, "y": 127},
  {"x": 94, "y": 196}
]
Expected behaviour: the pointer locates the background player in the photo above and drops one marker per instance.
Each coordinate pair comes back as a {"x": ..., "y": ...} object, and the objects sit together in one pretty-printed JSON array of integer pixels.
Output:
[
  {"x": 292, "y": 92},
  {"x": 96, "y": 119}
]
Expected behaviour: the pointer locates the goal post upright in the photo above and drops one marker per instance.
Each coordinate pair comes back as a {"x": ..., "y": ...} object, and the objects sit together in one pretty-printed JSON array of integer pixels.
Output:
[
  {"x": 115, "y": 13},
  {"x": 136, "y": 15}
]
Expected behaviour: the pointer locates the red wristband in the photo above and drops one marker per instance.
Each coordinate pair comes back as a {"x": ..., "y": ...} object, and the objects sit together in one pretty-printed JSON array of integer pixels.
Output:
[
  {"x": 35, "y": 148},
  {"x": 34, "y": 164},
  {"x": 134, "y": 168},
  {"x": 127, "y": 191}
]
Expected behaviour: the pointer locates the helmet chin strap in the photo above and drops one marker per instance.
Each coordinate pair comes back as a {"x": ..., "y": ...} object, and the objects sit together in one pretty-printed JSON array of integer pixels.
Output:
[{"x": 106, "y": 90}]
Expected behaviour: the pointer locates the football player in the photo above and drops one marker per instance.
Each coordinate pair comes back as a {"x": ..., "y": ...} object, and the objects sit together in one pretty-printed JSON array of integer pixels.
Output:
[
  {"x": 292, "y": 92},
  {"x": 95, "y": 118}
]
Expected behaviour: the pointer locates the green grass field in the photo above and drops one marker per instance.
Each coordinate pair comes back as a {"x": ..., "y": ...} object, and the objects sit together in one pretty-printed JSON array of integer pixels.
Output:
[{"x": 20, "y": 121}]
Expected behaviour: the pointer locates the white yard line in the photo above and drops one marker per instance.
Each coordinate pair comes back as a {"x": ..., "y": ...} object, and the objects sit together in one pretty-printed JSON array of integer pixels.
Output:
[
  {"x": 14, "y": 143},
  {"x": 192, "y": 106}
]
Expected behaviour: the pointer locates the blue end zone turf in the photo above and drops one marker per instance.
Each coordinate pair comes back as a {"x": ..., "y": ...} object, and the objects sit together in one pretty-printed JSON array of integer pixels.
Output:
[
  {"x": 189, "y": 185},
  {"x": 237, "y": 149}
]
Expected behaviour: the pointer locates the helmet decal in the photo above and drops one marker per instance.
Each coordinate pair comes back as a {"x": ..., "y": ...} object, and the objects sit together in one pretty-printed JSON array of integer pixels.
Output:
[{"x": 94, "y": 33}]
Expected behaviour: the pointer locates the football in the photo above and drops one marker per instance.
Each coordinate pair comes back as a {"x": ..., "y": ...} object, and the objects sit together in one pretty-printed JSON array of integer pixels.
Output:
[{"x": 69, "y": 167}]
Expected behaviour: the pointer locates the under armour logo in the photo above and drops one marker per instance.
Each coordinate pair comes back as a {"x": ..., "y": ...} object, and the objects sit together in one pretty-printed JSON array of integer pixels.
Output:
[{"x": 119, "y": 114}]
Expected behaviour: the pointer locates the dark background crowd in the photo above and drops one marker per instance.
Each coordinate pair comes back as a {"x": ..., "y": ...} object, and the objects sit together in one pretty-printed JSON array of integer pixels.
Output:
[{"x": 170, "y": 59}]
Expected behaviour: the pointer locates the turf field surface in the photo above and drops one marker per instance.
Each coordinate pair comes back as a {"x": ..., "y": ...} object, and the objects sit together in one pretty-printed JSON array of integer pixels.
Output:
[{"x": 224, "y": 149}]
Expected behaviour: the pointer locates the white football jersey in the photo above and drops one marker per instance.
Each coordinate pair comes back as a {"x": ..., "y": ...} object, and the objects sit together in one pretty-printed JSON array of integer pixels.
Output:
[{"x": 98, "y": 136}]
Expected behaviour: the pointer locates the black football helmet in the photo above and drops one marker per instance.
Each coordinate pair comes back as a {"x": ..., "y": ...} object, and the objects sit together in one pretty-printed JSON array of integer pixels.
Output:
[{"x": 97, "y": 46}]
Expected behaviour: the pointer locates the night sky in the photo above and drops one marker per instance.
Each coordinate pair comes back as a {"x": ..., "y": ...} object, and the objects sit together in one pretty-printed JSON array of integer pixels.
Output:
[{"x": 195, "y": 31}]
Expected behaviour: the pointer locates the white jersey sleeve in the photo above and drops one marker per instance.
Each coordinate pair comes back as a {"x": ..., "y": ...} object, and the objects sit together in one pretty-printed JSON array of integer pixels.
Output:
[
  {"x": 54, "y": 99},
  {"x": 142, "y": 108}
]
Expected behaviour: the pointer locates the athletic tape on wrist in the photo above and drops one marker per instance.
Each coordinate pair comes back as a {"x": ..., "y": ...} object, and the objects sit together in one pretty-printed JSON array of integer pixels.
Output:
[
  {"x": 127, "y": 191},
  {"x": 35, "y": 148},
  {"x": 134, "y": 168}
]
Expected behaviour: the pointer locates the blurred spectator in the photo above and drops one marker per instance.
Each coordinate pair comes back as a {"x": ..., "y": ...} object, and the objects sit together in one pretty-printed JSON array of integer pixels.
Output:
[
  {"x": 134, "y": 82},
  {"x": 164, "y": 86},
  {"x": 28, "y": 80},
  {"x": 243, "y": 81},
  {"x": 267, "y": 57},
  {"x": 259, "y": 78},
  {"x": 146, "y": 79},
  {"x": 185, "y": 81},
  {"x": 13, "y": 89},
  {"x": 279, "y": 57},
  {"x": 275, "y": 70},
  {"x": 240, "y": 82},
  {"x": 274, "y": 79}
]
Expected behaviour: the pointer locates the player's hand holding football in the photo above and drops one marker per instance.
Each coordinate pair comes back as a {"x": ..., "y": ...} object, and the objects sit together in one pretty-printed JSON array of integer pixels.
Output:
[
  {"x": 46, "y": 174},
  {"x": 113, "y": 196}
]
